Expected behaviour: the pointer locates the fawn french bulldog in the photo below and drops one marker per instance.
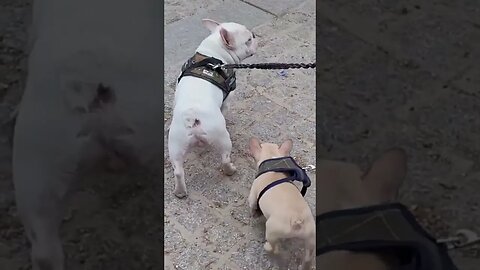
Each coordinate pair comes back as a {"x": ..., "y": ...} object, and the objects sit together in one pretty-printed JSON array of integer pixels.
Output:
[{"x": 288, "y": 214}]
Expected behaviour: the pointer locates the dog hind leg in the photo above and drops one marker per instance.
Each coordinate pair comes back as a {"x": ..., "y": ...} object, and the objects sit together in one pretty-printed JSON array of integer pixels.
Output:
[
  {"x": 273, "y": 235},
  {"x": 309, "y": 252},
  {"x": 225, "y": 147},
  {"x": 252, "y": 203},
  {"x": 177, "y": 151}
]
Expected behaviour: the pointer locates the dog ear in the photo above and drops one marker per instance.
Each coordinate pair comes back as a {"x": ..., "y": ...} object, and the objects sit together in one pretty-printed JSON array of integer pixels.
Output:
[
  {"x": 286, "y": 147},
  {"x": 227, "y": 38},
  {"x": 254, "y": 147},
  {"x": 210, "y": 24},
  {"x": 385, "y": 176}
]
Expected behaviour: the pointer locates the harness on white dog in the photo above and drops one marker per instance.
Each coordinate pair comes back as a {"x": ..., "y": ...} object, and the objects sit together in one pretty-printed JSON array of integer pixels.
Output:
[
  {"x": 284, "y": 165},
  {"x": 209, "y": 69}
]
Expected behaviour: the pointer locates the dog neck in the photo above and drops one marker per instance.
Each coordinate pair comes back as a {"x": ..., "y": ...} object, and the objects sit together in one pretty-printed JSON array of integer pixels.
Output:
[{"x": 212, "y": 48}]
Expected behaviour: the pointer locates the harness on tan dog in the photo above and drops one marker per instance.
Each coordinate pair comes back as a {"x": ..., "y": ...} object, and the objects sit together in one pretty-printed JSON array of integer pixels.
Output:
[
  {"x": 378, "y": 228},
  {"x": 209, "y": 69},
  {"x": 284, "y": 165}
]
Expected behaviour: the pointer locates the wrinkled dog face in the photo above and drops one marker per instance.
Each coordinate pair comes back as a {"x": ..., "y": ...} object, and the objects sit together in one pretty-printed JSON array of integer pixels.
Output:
[{"x": 236, "y": 38}]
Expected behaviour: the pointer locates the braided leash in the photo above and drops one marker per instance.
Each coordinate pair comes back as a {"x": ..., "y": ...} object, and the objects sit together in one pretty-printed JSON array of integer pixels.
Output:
[{"x": 268, "y": 66}]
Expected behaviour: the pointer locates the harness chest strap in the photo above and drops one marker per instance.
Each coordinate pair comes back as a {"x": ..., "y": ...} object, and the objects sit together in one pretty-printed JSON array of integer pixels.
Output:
[
  {"x": 374, "y": 228},
  {"x": 284, "y": 165},
  {"x": 202, "y": 67}
]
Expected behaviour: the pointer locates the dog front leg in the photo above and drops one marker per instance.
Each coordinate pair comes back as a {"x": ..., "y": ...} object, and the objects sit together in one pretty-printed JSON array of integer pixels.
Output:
[
  {"x": 225, "y": 108},
  {"x": 225, "y": 148},
  {"x": 177, "y": 152},
  {"x": 272, "y": 236},
  {"x": 252, "y": 203},
  {"x": 40, "y": 190}
]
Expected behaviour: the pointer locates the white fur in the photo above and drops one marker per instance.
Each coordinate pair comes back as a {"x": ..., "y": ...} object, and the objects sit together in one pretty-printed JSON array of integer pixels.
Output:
[
  {"x": 75, "y": 45},
  {"x": 198, "y": 113}
]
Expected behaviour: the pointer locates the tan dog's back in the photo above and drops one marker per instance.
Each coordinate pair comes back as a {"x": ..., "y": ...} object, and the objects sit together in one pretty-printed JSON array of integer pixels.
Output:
[
  {"x": 285, "y": 204},
  {"x": 345, "y": 186},
  {"x": 288, "y": 214}
]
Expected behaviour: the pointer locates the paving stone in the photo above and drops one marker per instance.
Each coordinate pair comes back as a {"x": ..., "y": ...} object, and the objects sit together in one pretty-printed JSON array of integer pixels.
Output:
[
  {"x": 278, "y": 7},
  {"x": 221, "y": 194},
  {"x": 173, "y": 239},
  {"x": 264, "y": 131},
  {"x": 439, "y": 43},
  {"x": 183, "y": 36},
  {"x": 470, "y": 8},
  {"x": 336, "y": 46},
  {"x": 193, "y": 257},
  {"x": 191, "y": 213},
  {"x": 251, "y": 256},
  {"x": 470, "y": 81},
  {"x": 214, "y": 235}
]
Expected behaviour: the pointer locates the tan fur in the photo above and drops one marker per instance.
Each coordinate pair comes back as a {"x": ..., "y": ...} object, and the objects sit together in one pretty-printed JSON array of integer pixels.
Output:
[
  {"x": 342, "y": 186},
  {"x": 288, "y": 214}
]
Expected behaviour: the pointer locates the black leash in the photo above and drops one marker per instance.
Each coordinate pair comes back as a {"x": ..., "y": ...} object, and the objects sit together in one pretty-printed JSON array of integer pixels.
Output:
[{"x": 267, "y": 66}]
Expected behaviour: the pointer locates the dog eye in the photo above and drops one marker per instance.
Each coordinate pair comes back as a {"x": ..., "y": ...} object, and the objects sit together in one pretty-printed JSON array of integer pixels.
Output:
[{"x": 253, "y": 34}]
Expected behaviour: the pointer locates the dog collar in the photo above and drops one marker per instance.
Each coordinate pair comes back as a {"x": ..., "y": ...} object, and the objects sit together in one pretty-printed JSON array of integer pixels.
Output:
[
  {"x": 382, "y": 227},
  {"x": 284, "y": 165},
  {"x": 209, "y": 69}
]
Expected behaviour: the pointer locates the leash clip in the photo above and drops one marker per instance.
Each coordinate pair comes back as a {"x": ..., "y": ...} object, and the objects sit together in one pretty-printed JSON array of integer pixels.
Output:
[
  {"x": 462, "y": 238},
  {"x": 309, "y": 167}
]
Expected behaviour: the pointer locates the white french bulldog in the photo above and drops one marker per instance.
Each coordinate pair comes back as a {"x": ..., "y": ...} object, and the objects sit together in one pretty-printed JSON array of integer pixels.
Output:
[
  {"x": 92, "y": 91},
  {"x": 198, "y": 118}
]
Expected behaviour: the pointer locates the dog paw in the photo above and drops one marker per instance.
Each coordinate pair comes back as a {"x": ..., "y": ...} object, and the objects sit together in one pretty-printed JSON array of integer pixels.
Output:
[
  {"x": 254, "y": 212},
  {"x": 268, "y": 247},
  {"x": 180, "y": 194},
  {"x": 305, "y": 266},
  {"x": 229, "y": 169}
]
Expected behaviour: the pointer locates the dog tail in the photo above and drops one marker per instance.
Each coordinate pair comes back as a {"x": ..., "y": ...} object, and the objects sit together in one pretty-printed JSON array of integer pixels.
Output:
[
  {"x": 191, "y": 119},
  {"x": 296, "y": 223}
]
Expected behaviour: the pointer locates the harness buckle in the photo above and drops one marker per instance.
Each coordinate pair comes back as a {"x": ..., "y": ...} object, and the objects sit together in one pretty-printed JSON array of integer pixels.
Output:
[
  {"x": 309, "y": 167},
  {"x": 214, "y": 66}
]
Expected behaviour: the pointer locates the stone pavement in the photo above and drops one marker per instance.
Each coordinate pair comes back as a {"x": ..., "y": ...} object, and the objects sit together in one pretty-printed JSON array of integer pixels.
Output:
[{"x": 212, "y": 228}]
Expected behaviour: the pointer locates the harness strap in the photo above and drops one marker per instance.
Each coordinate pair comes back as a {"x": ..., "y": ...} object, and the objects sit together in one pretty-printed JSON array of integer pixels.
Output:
[
  {"x": 202, "y": 67},
  {"x": 380, "y": 227},
  {"x": 271, "y": 185},
  {"x": 285, "y": 165}
]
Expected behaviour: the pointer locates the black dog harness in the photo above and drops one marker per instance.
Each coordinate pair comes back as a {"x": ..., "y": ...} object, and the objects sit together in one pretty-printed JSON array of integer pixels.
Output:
[
  {"x": 209, "y": 69},
  {"x": 382, "y": 227},
  {"x": 284, "y": 165}
]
